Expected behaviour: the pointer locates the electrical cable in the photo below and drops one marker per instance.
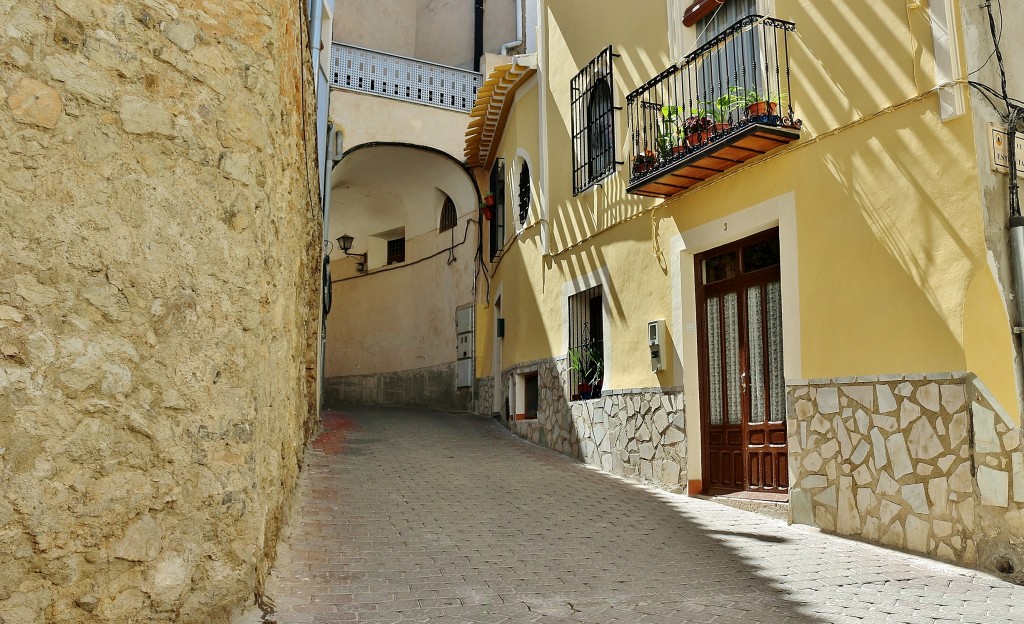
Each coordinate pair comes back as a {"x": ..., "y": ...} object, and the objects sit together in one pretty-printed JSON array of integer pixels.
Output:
[
  {"x": 465, "y": 237},
  {"x": 451, "y": 250},
  {"x": 998, "y": 41}
]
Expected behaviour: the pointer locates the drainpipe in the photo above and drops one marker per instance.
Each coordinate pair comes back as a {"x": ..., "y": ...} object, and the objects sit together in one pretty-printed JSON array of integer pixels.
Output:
[
  {"x": 478, "y": 34},
  {"x": 505, "y": 47},
  {"x": 334, "y": 151}
]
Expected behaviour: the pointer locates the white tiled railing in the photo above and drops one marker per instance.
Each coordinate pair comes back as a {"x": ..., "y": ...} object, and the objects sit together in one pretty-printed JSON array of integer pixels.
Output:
[{"x": 400, "y": 78}]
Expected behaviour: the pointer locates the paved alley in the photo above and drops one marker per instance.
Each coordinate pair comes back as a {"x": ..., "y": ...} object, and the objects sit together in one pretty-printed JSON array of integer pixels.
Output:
[{"x": 417, "y": 516}]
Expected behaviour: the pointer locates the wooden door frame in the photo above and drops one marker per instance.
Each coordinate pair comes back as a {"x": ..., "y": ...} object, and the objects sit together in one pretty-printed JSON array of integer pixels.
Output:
[{"x": 739, "y": 285}]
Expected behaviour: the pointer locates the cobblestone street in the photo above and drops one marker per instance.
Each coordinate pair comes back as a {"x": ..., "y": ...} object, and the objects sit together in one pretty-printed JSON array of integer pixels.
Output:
[{"x": 415, "y": 516}]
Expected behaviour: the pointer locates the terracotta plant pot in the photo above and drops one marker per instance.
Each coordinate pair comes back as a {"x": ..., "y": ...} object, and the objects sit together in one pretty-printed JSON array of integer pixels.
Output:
[
  {"x": 489, "y": 200},
  {"x": 641, "y": 168},
  {"x": 696, "y": 138},
  {"x": 488, "y": 211},
  {"x": 762, "y": 108}
]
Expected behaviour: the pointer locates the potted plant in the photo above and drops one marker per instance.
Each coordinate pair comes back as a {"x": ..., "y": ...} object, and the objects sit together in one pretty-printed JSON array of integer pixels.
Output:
[
  {"x": 670, "y": 138},
  {"x": 588, "y": 364},
  {"x": 757, "y": 105},
  {"x": 698, "y": 127},
  {"x": 644, "y": 162},
  {"x": 710, "y": 118},
  {"x": 487, "y": 206}
]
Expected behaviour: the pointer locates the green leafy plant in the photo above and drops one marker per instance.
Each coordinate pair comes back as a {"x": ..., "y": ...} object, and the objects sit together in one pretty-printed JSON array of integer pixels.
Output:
[
  {"x": 671, "y": 132},
  {"x": 720, "y": 108},
  {"x": 747, "y": 97},
  {"x": 587, "y": 362}
]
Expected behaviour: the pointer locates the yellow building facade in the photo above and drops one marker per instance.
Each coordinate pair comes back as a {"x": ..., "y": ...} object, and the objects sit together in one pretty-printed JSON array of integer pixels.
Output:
[{"x": 806, "y": 302}]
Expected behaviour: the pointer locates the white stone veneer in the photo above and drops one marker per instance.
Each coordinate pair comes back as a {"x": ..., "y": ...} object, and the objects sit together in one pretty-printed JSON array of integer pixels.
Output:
[
  {"x": 928, "y": 463},
  {"x": 637, "y": 433}
]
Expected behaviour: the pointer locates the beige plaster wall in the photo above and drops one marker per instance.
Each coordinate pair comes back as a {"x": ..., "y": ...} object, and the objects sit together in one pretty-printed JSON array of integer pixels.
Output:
[
  {"x": 159, "y": 273},
  {"x": 440, "y": 31},
  {"x": 368, "y": 118}
]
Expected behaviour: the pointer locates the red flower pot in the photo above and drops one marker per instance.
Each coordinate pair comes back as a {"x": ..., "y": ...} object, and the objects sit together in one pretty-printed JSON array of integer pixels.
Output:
[{"x": 762, "y": 108}]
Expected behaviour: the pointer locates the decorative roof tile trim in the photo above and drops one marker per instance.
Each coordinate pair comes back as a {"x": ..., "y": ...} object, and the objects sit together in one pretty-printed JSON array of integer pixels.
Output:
[{"x": 491, "y": 110}]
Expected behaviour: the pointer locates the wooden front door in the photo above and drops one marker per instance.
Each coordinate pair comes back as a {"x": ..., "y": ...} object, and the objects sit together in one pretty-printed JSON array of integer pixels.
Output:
[{"x": 743, "y": 408}]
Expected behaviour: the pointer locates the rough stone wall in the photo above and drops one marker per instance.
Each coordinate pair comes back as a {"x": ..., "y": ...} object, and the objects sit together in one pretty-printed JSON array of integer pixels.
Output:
[
  {"x": 928, "y": 463},
  {"x": 430, "y": 386},
  {"x": 158, "y": 303},
  {"x": 484, "y": 396},
  {"x": 637, "y": 433}
]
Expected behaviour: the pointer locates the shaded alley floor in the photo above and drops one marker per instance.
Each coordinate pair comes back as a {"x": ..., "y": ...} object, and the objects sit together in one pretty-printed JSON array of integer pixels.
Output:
[{"x": 418, "y": 516}]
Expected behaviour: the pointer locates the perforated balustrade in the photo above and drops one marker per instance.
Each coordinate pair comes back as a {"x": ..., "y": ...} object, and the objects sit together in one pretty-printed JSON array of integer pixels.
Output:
[{"x": 400, "y": 78}]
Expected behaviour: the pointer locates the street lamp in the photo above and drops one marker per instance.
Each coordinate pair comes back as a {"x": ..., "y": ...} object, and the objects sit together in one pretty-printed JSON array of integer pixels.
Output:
[{"x": 345, "y": 243}]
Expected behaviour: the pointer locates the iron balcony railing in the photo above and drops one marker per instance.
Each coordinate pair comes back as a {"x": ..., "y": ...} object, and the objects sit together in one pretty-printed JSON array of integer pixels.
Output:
[
  {"x": 738, "y": 78},
  {"x": 400, "y": 78}
]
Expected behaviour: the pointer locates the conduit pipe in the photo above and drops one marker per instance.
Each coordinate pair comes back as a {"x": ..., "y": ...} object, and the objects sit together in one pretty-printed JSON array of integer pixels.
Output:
[
  {"x": 478, "y": 33},
  {"x": 1016, "y": 222},
  {"x": 506, "y": 47}
]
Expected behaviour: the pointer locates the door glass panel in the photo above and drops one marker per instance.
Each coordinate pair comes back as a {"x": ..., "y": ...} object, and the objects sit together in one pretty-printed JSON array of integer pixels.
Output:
[
  {"x": 715, "y": 360},
  {"x": 761, "y": 255},
  {"x": 720, "y": 268},
  {"x": 755, "y": 348},
  {"x": 776, "y": 378},
  {"x": 732, "y": 357}
]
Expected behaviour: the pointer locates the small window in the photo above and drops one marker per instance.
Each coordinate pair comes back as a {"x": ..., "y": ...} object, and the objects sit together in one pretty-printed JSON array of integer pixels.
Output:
[
  {"x": 396, "y": 251},
  {"x": 449, "y": 218},
  {"x": 585, "y": 357},
  {"x": 497, "y": 186},
  {"x": 593, "y": 122},
  {"x": 527, "y": 396},
  {"x": 524, "y": 193}
]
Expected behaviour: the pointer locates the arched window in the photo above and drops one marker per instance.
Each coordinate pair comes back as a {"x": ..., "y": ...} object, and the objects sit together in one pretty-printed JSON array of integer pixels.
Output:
[
  {"x": 449, "y": 218},
  {"x": 524, "y": 193},
  {"x": 592, "y": 123},
  {"x": 600, "y": 142}
]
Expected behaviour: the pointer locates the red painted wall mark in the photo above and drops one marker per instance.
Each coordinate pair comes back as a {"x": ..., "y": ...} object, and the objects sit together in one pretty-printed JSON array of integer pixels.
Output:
[{"x": 334, "y": 430}]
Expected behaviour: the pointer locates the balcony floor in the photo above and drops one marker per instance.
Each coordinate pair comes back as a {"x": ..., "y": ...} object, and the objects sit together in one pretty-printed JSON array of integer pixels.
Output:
[{"x": 723, "y": 153}]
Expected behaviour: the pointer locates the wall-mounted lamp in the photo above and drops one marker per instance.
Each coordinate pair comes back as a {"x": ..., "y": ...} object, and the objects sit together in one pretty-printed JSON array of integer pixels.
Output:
[{"x": 345, "y": 243}]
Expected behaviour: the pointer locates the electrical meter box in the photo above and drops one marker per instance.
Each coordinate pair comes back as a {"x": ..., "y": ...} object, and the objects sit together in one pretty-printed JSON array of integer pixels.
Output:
[{"x": 656, "y": 342}]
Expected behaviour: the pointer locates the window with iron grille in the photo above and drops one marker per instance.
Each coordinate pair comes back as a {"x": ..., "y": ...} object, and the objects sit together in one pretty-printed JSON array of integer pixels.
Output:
[
  {"x": 593, "y": 122},
  {"x": 586, "y": 344},
  {"x": 449, "y": 217},
  {"x": 524, "y": 193},
  {"x": 396, "y": 250},
  {"x": 497, "y": 186}
]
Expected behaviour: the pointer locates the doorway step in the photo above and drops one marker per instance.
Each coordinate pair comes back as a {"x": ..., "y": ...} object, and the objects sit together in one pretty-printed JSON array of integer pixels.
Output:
[{"x": 771, "y": 505}]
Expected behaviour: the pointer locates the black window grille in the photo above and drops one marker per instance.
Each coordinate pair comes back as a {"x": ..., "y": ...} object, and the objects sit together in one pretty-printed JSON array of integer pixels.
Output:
[
  {"x": 593, "y": 122},
  {"x": 396, "y": 250},
  {"x": 449, "y": 217},
  {"x": 497, "y": 184},
  {"x": 524, "y": 194},
  {"x": 586, "y": 344}
]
